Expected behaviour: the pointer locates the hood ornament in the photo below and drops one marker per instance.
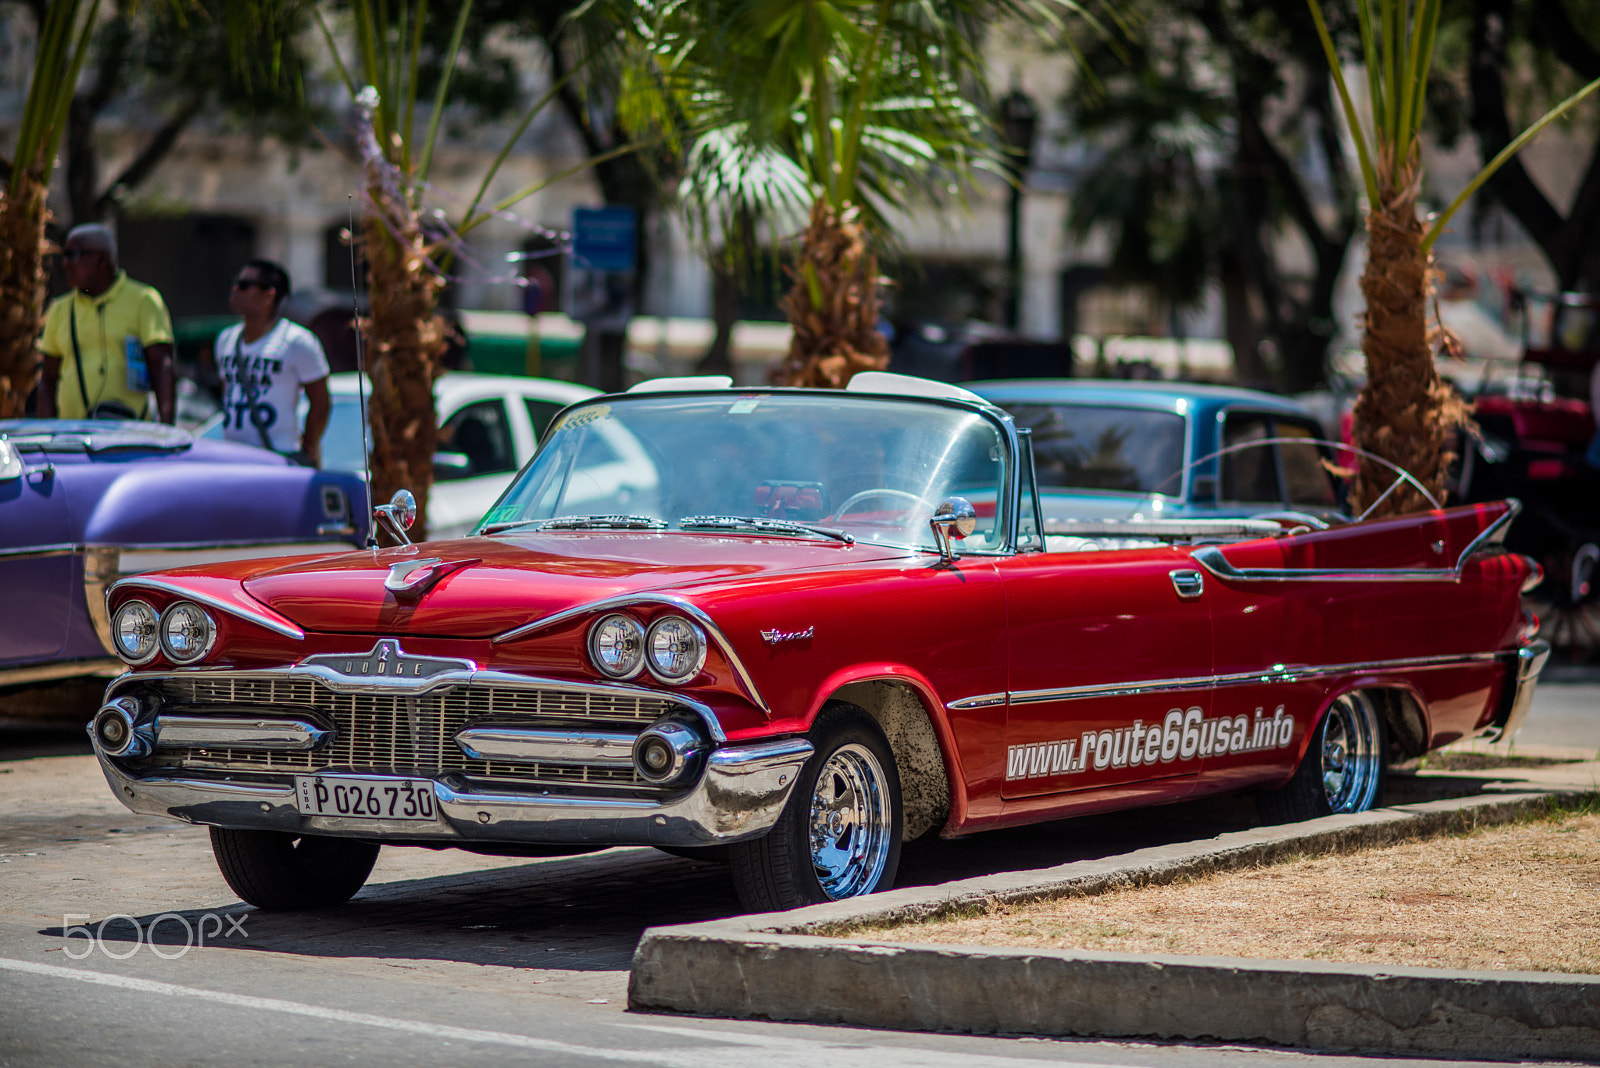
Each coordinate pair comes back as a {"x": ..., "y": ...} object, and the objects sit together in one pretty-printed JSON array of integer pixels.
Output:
[{"x": 416, "y": 577}]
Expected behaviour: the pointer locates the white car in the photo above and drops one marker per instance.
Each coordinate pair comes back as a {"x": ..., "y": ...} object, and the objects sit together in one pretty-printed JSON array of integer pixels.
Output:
[{"x": 489, "y": 426}]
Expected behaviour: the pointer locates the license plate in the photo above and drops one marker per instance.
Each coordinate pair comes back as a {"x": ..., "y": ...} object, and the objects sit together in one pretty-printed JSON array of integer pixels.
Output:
[{"x": 377, "y": 799}]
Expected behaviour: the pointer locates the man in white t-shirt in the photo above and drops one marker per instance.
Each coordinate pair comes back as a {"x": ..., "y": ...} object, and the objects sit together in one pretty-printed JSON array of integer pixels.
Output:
[{"x": 264, "y": 362}]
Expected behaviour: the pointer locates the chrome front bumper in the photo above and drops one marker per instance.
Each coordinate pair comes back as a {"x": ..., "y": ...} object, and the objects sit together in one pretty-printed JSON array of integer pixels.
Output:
[{"x": 739, "y": 795}]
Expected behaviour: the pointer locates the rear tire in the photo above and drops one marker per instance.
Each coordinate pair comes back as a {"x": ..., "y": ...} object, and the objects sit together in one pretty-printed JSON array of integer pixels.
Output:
[
  {"x": 839, "y": 835},
  {"x": 1343, "y": 770},
  {"x": 275, "y": 870}
]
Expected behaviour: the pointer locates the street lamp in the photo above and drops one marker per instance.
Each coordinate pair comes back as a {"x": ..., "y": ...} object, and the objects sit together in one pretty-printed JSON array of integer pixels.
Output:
[{"x": 1018, "y": 120}]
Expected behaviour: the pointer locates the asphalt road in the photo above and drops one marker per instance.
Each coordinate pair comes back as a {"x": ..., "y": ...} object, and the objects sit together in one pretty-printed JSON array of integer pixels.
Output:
[{"x": 450, "y": 959}]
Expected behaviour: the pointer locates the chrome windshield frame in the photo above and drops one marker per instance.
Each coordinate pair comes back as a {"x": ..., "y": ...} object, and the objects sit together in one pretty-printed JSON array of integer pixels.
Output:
[{"x": 1009, "y": 488}]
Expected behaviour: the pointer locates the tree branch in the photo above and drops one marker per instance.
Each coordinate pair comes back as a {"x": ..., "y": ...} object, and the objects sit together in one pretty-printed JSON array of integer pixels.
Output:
[
  {"x": 1512, "y": 186},
  {"x": 154, "y": 151},
  {"x": 1583, "y": 220},
  {"x": 1570, "y": 44}
]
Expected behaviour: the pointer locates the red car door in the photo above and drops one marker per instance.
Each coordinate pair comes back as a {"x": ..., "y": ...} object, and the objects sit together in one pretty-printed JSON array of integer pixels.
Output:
[{"x": 1110, "y": 665}]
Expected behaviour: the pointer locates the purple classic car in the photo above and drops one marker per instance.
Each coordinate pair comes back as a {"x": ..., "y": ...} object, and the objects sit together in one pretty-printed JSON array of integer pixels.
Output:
[{"x": 83, "y": 503}]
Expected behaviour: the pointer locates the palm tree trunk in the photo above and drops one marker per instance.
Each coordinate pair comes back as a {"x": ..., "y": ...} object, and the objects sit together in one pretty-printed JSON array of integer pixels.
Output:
[
  {"x": 832, "y": 304},
  {"x": 1405, "y": 413},
  {"x": 405, "y": 339},
  {"x": 23, "y": 214}
]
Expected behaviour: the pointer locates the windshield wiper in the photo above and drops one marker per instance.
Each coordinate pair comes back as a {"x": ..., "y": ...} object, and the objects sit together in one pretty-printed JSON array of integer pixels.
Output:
[
  {"x": 771, "y": 526},
  {"x": 582, "y": 522}
]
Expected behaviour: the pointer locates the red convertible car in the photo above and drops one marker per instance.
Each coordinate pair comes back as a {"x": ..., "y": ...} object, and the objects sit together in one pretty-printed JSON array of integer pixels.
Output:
[{"x": 829, "y": 622}]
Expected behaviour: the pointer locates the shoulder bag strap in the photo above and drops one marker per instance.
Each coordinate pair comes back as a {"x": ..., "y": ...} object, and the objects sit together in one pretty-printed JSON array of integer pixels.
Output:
[{"x": 77, "y": 357}]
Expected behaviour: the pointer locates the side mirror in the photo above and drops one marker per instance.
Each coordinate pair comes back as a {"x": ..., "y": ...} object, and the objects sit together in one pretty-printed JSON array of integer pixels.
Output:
[
  {"x": 953, "y": 520},
  {"x": 398, "y": 514}
]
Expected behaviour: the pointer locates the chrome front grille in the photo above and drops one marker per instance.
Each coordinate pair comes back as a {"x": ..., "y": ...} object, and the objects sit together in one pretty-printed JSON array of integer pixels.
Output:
[{"x": 411, "y": 733}]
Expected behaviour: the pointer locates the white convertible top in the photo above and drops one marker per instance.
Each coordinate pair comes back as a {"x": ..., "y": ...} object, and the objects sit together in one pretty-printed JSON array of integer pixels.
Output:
[{"x": 866, "y": 382}]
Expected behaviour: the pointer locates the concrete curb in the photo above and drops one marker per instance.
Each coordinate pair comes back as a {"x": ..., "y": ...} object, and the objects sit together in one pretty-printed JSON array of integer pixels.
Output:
[{"x": 784, "y": 966}]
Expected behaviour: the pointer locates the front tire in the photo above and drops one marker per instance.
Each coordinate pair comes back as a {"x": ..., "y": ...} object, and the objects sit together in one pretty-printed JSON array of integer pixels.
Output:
[
  {"x": 1343, "y": 770},
  {"x": 275, "y": 870},
  {"x": 839, "y": 835}
]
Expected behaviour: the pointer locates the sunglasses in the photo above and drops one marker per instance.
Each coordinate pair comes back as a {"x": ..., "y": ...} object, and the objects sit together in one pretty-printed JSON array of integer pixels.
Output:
[
  {"x": 72, "y": 255},
  {"x": 250, "y": 283}
]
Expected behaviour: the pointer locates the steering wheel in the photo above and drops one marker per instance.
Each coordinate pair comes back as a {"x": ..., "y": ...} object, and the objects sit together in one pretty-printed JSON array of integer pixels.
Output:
[{"x": 880, "y": 491}]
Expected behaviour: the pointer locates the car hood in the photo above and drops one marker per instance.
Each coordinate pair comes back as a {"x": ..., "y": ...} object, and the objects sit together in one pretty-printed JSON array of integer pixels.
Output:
[{"x": 479, "y": 587}]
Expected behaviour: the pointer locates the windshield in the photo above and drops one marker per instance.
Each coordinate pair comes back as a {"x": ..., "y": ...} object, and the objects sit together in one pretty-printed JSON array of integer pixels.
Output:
[
  {"x": 1089, "y": 447},
  {"x": 874, "y": 469}
]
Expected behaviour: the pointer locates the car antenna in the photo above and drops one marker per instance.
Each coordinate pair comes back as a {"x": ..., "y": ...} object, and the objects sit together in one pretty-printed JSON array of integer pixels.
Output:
[{"x": 361, "y": 372}]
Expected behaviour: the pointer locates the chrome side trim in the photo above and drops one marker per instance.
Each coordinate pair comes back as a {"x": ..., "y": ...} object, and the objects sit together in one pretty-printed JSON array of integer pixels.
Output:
[
  {"x": 67, "y": 669},
  {"x": 986, "y": 700},
  {"x": 63, "y": 549},
  {"x": 739, "y": 796},
  {"x": 263, "y": 618},
  {"x": 671, "y": 600},
  {"x": 534, "y": 745},
  {"x": 235, "y": 732},
  {"x": 1495, "y": 533},
  {"x": 344, "y": 684},
  {"x": 1212, "y": 559},
  {"x": 1274, "y": 674},
  {"x": 181, "y": 554}
]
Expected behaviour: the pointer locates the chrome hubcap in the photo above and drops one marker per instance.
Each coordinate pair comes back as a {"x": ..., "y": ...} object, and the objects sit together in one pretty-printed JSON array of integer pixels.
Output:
[
  {"x": 850, "y": 823},
  {"x": 1350, "y": 756}
]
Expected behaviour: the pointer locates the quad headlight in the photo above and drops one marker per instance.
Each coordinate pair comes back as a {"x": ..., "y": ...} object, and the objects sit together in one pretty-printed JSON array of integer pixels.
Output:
[
  {"x": 187, "y": 633},
  {"x": 133, "y": 629},
  {"x": 616, "y": 646},
  {"x": 675, "y": 649}
]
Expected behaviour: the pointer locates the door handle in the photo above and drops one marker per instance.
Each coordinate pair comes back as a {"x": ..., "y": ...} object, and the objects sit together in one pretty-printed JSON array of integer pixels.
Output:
[{"x": 1189, "y": 584}]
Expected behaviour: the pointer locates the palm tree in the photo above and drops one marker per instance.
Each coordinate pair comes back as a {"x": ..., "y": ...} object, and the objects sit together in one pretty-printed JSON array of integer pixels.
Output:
[
  {"x": 66, "y": 30},
  {"x": 1405, "y": 413},
  {"x": 1154, "y": 183},
  {"x": 405, "y": 259},
  {"x": 24, "y": 211},
  {"x": 848, "y": 110}
]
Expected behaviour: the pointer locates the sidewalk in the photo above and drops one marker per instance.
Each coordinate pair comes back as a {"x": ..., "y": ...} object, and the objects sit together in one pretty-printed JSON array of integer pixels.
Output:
[{"x": 785, "y": 966}]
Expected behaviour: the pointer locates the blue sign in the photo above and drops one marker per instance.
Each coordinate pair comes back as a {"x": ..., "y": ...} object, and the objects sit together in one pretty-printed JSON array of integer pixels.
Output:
[{"x": 605, "y": 239}]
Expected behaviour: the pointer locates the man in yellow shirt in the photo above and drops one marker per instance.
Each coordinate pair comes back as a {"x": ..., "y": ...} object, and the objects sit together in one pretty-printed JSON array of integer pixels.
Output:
[{"x": 107, "y": 343}]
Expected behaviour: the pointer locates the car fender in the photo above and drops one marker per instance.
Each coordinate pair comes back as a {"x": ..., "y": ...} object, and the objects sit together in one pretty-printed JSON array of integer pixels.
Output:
[
  {"x": 932, "y": 706},
  {"x": 157, "y": 504}
]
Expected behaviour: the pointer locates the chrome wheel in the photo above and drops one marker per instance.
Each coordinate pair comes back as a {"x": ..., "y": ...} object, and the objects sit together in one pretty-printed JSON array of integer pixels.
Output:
[
  {"x": 840, "y": 832},
  {"x": 852, "y": 822},
  {"x": 1352, "y": 754}
]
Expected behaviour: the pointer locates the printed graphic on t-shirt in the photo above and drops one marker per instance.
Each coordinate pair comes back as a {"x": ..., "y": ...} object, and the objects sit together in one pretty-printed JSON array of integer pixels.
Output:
[
  {"x": 249, "y": 381},
  {"x": 261, "y": 383}
]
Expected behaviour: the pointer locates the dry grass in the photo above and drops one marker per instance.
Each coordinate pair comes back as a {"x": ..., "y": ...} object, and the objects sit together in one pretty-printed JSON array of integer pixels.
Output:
[{"x": 1522, "y": 897}]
